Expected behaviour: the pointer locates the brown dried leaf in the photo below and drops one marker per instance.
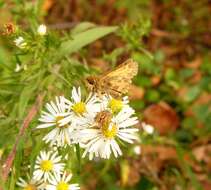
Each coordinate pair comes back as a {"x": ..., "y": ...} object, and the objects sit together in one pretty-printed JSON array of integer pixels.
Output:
[
  {"x": 136, "y": 93},
  {"x": 206, "y": 185},
  {"x": 47, "y": 4},
  {"x": 91, "y": 180},
  {"x": 162, "y": 117},
  {"x": 195, "y": 64},
  {"x": 203, "y": 154},
  {"x": 134, "y": 173},
  {"x": 196, "y": 77},
  {"x": 163, "y": 152},
  {"x": 155, "y": 80},
  {"x": 99, "y": 64}
]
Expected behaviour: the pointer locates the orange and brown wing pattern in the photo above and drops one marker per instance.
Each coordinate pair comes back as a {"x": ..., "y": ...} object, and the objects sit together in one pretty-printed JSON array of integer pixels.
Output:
[{"x": 117, "y": 82}]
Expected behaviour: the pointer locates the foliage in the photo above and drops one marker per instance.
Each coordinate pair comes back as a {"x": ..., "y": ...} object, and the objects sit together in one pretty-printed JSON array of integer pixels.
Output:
[{"x": 174, "y": 76}]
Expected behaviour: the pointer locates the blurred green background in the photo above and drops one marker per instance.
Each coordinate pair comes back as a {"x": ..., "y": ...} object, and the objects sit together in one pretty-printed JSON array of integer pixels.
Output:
[{"x": 171, "y": 41}]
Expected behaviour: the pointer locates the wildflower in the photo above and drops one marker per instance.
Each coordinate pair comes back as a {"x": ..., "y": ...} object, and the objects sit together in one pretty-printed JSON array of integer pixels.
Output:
[
  {"x": 17, "y": 68},
  {"x": 101, "y": 141},
  {"x": 42, "y": 29},
  {"x": 137, "y": 149},
  {"x": 9, "y": 28},
  {"x": 78, "y": 108},
  {"x": 61, "y": 182},
  {"x": 149, "y": 129},
  {"x": 20, "y": 42},
  {"x": 61, "y": 134},
  {"x": 30, "y": 184},
  {"x": 47, "y": 164}
]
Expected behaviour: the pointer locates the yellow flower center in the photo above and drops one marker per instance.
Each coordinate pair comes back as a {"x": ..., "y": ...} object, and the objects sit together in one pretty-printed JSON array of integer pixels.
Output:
[
  {"x": 109, "y": 131},
  {"x": 115, "y": 105},
  {"x": 79, "y": 108},
  {"x": 62, "y": 186},
  {"x": 46, "y": 165},
  {"x": 30, "y": 187},
  {"x": 57, "y": 120}
]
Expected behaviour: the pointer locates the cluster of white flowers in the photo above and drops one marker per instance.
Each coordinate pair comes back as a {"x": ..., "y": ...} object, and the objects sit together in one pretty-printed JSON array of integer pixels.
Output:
[
  {"x": 74, "y": 121},
  {"x": 21, "y": 43},
  {"x": 97, "y": 124},
  {"x": 48, "y": 174}
]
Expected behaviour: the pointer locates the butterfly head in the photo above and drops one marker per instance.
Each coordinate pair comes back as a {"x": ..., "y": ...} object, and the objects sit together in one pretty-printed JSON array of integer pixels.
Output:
[{"x": 91, "y": 83}]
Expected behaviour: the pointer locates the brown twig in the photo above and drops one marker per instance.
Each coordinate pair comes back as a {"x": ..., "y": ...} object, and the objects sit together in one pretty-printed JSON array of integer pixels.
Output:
[
  {"x": 165, "y": 34},
  {"x": 32, "y": 112}
]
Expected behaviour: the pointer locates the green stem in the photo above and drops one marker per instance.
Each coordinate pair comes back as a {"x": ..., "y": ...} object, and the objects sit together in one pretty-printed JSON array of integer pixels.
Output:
[
  {"x": 105, "y": 168},
  {"x": 146, "y": 52},
  {"x": 78, "y": 154}
]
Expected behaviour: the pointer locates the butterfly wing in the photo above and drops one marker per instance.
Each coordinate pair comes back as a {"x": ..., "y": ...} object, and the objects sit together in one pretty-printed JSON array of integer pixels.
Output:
[{"x": 117, "y": 82}]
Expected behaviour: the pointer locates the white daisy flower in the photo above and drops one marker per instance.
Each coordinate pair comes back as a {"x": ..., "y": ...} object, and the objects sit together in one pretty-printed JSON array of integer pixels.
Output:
[
  {"x": 79, "y": 109},
  {"x": 30, "y": 184},
  {"x": 61, "y": 134},
  {"x": 20, "y": 42},
  {"x": 42, "y": 29},
  {"x": 149, "y": 129},
  {"x": 61, "y": 182},
  {"x": 101, "y": 140},
  {"x": 47, "y": 164}
]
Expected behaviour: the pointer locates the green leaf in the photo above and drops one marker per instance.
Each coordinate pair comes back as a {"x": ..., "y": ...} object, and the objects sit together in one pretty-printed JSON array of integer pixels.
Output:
[
  {"x": 25, "y": 96},
  {"x": 145, "y": 184},
  {"x": 170, "y": 74},
  {"x": 2, "y": 3},
  {"x": 186, "y": 73},
  {"x": 152, "y": 95},
  {"x": 192, "y": 93},
  {"x": 82, "y": 27},
  {"x": 202, "y": 112},
  {"x": 37, "y": 145},
  {"x": 137, "y": 104},
  {"x": 82, "y": 39},
  {"x": 146, "y": 62},
  {"x": 5, "y": 61},
  {"x": 143, "y": 81}
]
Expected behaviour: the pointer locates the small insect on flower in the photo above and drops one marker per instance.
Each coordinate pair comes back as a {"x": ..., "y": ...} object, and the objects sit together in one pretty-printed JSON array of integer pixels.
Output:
[
  {"x": 42, "y": 30},
  {"x": 47, "y": 164},
  {"x": 61, "y": 182},
  {"x": 103, "y": 132},
  {"x": 116, "y": 82},
  {"x": 103, "y": 118}
]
